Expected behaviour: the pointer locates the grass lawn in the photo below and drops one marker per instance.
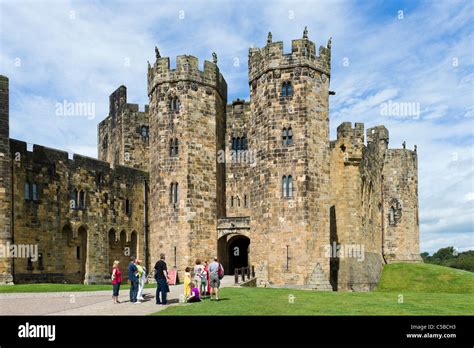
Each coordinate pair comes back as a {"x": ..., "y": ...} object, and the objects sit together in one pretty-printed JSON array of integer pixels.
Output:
[
  {"x": 425, "y": 290},
  {"x": 60, "y": 287}
]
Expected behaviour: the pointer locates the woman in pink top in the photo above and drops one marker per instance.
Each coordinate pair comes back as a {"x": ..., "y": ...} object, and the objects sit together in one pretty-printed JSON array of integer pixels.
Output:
[{"x": 116, "y": 280}]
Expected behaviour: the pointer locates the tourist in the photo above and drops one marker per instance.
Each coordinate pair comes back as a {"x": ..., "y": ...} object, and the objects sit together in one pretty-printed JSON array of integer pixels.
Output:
[
  {"x": 216, "y": 272},
  {"x": 208, "y": 279},
  {"x": 187, "y": 282},
  {"x": 198, "y": 269},
  {"x": 141, "y": 280},
  {"x": 133, "y": 278},
  {"x": 194, "y": 297},
  {"x": 162, "y": 280},
  {"x": 204, "y": 279},
  {"x": 116, "y": 280}
]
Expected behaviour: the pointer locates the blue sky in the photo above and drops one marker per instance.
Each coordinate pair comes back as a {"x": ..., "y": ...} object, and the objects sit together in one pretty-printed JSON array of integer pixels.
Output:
[{"x": 81, "y": 51}]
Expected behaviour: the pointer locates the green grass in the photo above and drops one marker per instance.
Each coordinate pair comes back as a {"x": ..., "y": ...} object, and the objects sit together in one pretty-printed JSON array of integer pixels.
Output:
[
  {"x": 60, "y": 287},
  {"x": 424, "y": 290},
  {"x": 424, "y": 277}
]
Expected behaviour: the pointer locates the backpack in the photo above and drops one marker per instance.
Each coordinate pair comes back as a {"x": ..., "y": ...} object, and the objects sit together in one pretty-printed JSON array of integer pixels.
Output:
[{"x": 220, "y": 272}]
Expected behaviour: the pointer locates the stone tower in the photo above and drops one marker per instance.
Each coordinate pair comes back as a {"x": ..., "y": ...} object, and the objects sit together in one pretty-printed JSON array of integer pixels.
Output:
[
  {"x": 187, "y": 184},
  {"x": 289, "y": 130},
  {"x": 5, "y": 182}
]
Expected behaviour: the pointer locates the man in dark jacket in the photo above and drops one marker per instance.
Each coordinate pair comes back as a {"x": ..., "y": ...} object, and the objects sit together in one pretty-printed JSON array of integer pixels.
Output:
[
  {"x": 162, "y": 280},
  {"x": 133, "y": 277}
]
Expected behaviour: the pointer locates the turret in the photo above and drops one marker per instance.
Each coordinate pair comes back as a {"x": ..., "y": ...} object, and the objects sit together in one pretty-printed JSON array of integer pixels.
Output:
[{"x": 5, "y": 182}]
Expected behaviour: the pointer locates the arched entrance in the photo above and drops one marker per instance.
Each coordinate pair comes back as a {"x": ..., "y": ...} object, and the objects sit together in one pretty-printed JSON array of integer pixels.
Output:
[
  {"x": 74, "y": 254},
  {"x": 233, "y": 252}
]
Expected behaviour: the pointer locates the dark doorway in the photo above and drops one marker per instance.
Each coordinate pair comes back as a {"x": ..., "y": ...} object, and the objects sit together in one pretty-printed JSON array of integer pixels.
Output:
[{"x": 237, "y": 251}]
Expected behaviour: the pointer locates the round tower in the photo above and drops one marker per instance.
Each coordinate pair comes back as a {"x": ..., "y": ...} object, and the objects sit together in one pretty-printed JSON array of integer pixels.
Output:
[
  {"x": 187, "y": 184},
  {"x": 289, "y": 130}
]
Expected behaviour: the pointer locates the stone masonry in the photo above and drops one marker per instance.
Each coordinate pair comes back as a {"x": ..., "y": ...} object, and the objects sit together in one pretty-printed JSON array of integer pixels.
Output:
[{"x": 256, "y": 183}]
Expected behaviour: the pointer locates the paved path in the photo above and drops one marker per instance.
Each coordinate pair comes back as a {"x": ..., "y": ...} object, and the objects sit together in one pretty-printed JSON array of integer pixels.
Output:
[{"x": 87, "y": 302}]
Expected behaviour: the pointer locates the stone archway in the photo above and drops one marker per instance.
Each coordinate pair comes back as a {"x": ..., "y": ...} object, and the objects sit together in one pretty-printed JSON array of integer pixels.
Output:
[
  {"x": 233, "y": 252},
  {"x": 74, "y": 255}
]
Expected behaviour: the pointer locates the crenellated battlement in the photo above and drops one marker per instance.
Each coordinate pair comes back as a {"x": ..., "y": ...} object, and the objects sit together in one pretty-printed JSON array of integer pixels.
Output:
[
  {"x": 377, "y": 135},
  {"x": 346, "y": 133},
  {"x": 303, "y": 53},
  {"x": 187, "y": 70},
  {"x": 43, "y": 155}
]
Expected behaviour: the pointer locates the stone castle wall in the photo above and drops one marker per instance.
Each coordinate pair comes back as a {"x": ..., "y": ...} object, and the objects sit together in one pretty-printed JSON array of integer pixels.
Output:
[
  {"x": 344, "y": 192},
  {"x": 185, "y": 227},
  {"x": 78, "y": 242},
  {"x": 287, "y": 233},
  {"x": 123, "y": 136}
]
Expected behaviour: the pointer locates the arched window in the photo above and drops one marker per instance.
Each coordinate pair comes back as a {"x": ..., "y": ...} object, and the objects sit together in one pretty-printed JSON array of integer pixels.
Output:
[
  {"x": 144, "y": 131},
  {"x": 290, "y": 186},
  {"x": 27, "y": 190},
  {"x": 35, "y": 192},
  {"x": 174, "y": 193},
  {"x": 391, "y": 216},
  {"x": 82, "y": 199},
  {"x": 289, "y": 140},
  {"x": 174, "y": 104},
  {"x": 283, "y": 89},
  {"x": 174, "y": 147},
  {"x": 289, "y": 89},
  {"x": 128, "y": 209},
  {"x": 244, "y": 143},
  {"x": 284, "y": 137},
  {"x": 238, "y": 201},
  {"x": 287, "y": 186}
]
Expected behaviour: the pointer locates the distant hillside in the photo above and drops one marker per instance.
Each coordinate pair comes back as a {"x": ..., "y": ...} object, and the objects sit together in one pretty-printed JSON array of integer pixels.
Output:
[
  {"x": 422, "y": 277},
  {"x": 449, "y": 257}
]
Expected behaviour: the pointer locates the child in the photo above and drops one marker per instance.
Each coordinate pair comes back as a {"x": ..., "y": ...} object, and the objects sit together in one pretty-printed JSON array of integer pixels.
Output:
[
  {"x": 194, "y": 297},
  {"x": 187, "y": 282}
]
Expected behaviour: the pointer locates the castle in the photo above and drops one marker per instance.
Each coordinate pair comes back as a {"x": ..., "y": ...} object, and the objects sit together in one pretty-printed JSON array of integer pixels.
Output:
[{"x": 254, "y": 182}]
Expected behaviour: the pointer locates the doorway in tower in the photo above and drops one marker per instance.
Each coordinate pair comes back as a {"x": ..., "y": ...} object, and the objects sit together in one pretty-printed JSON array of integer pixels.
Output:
[{"x": 233, "y": 252}]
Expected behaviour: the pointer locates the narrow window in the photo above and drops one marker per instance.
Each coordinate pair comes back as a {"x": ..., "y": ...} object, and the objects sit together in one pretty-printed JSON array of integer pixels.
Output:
[
  {"x": 391, "y": 216},
  {"x": 176, "y": 147},
  {"x": 232, "y": 201},
  {"x": 78, "y": 252},
  {"x": 245, "y": 144},
  {"x": 171, "y": 192},
  {"x": 284, "y": 137},
  {"x": 29, "y": 264},
  {"x": 40, "y": 261},
  {"x": 144, "y": 131},
  {"x": 35, "y": 192},
  {"x": 283, "y": 186},
  {"x": 290, "y": 186},
  {"x": 289, "y": 89},
  {"x": 82, "y": 199},
  {"x": 175, "y": 193},
  {"x": 171, "y": 148},
  {"x": 289, "y": 139},
  {"x": 128, "y": 210},
  {"x": 245, "y": 201},
  {"x": 27, "y": 190},
  {"x": 76, "y": 199},
  {"x": 283, "y": 89}
]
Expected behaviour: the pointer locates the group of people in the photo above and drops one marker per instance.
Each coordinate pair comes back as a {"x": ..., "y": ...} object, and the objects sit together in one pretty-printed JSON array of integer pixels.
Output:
[
  {"x": 136, "y": 276},
  {"x": 206, "y": 280}
]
